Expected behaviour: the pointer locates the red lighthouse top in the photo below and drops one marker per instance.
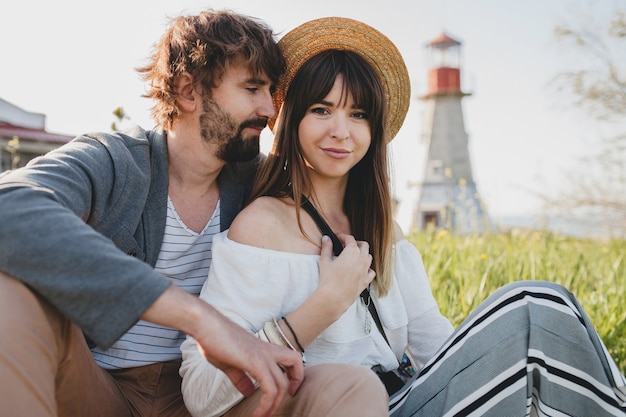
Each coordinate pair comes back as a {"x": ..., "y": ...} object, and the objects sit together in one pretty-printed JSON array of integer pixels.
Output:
[
  {"x": 444, "y": 74},
  {"x": 444, "y": 41}
]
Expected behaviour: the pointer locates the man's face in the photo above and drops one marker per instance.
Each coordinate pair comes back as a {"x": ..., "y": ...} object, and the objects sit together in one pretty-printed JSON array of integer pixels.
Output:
[{"x": 236, "y": 113}]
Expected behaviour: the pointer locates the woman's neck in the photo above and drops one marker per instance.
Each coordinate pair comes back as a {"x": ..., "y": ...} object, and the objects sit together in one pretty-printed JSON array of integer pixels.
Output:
[{"x": 328, "y": 200}]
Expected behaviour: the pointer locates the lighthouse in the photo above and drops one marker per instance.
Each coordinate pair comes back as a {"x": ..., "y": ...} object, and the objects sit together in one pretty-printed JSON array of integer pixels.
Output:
[{"x": 447, "y": 196}]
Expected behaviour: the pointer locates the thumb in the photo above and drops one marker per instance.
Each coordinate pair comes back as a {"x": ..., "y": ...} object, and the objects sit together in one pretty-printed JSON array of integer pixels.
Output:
[{"x": 327, "y": 247}]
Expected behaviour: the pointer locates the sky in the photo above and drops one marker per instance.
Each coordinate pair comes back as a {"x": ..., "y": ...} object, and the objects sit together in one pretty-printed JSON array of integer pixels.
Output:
[{"x": 75, "y": 61}]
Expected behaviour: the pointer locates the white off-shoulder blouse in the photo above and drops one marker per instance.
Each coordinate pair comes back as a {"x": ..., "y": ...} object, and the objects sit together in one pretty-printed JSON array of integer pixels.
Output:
[{"x": 252, "y": 285}]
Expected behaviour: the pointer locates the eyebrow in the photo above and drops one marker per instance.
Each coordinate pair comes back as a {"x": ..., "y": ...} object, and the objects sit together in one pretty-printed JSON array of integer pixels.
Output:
[
  {"x": 331, "y": 104},
  {"x": 256, "y": 80}
]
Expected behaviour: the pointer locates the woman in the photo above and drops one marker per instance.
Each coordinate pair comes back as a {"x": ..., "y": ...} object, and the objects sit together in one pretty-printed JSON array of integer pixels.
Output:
[{"x": 527, "y": 349}]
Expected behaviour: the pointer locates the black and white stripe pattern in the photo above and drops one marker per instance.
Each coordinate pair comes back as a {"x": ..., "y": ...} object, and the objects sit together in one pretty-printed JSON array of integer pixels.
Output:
[
  {"x": 185, "y": 258},
  {"x": 528, "y": 350}
]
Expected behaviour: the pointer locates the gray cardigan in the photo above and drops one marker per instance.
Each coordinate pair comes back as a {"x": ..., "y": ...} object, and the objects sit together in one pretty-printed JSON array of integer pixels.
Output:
[{"x": 83, "y": 226}]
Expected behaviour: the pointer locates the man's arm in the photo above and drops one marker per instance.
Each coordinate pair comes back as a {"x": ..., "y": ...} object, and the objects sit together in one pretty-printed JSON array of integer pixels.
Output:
[
  {"x": 231, "y": 348},
  {"x": 65, "y": 218}
]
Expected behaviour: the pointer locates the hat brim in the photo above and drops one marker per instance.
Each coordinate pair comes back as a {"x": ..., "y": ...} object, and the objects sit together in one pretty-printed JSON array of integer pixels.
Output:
[{"x": 319, "y": 35}]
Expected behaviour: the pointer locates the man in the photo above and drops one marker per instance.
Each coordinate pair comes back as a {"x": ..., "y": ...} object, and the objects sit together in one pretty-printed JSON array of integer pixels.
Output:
[{"x": 112, "y": 228}]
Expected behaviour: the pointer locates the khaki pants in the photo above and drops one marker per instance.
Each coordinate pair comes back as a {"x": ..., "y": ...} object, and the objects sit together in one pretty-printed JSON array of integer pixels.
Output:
[
  {"x": 329, "y": 390},
  {"x": 46, "y": 369}
]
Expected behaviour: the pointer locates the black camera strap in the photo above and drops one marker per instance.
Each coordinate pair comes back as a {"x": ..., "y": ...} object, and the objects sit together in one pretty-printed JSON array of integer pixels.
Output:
[{"x": 337, "y": 248}]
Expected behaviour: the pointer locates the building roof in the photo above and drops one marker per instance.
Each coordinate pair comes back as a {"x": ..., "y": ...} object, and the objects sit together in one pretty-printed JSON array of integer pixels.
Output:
[
  {"x": 26, "y": 133},
  {"x": 443, "y": 41},
  {"x": 30, "y": 126}
]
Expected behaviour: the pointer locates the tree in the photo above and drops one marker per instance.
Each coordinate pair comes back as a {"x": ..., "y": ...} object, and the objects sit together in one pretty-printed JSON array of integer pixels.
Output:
[{"x": 597, "y": 187}]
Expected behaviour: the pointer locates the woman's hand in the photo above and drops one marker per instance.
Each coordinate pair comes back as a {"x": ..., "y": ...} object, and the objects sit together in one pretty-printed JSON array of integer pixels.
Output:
[
  {"x": 343, "y": 278},
  {"x": 341, "y": 281}
]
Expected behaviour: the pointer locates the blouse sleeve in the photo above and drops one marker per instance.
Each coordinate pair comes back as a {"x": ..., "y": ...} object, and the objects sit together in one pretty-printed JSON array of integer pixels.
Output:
[
  {"x": 250, "y": 286},
  {"x": 427, "y": 327},
  {"x": 207, "y": 391}
]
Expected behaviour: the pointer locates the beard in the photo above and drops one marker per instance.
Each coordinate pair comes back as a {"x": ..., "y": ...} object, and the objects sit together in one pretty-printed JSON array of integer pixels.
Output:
[{"x": 219, "y": 127}]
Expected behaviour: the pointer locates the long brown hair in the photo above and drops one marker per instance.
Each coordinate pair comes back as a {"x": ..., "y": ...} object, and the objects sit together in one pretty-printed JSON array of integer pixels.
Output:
[{"x": 367, "y": 202}]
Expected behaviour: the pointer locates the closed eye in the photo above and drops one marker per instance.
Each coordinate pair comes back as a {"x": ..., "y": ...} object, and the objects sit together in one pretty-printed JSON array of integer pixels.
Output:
[{"x": 256, "y": 84}]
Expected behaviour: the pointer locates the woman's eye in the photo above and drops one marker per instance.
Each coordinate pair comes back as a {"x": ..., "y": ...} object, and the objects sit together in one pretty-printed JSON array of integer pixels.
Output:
[
  {"x": 360, "y": 115},
  {"x": 319, "y": 110}
]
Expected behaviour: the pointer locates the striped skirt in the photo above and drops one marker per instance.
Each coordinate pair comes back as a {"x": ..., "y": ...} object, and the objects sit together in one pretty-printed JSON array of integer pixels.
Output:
[{"x": 527, "y": 350}]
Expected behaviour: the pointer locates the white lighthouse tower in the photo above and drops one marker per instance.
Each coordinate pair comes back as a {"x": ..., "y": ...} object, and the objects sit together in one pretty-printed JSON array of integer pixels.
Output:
[{"x": 448, "y": 196}]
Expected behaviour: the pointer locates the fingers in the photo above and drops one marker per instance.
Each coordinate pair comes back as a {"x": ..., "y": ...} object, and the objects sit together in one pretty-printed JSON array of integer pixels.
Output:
[
  {"x": 363, "y": 246},
  {"x": 285, "y": 373},
  {"x": 327, "y": 248},
  {"x": 286, "y": 376},
  {"x": 273, "y": 389},
  {"x": 294, "y": 370},
  {"x": 371, "y": 274},
  {"x": 349, "y": 240},
  {"x": 343, "y": 278},
  {"x": 247, "y": 360}
]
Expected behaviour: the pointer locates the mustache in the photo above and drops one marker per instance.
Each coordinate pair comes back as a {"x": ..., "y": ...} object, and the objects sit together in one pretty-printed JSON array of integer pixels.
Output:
[{"x": 259, "y": 123}]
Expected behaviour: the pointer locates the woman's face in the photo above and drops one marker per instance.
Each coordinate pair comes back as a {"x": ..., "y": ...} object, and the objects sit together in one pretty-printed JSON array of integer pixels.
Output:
[{"x": 334, "y": 134}]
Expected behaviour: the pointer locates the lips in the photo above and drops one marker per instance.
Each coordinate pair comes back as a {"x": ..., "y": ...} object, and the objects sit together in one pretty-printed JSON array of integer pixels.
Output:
[
  {"x": 257, "y": 128},
  {"x": 259, "y": 123},
  {"x": 336, "y": 153}
]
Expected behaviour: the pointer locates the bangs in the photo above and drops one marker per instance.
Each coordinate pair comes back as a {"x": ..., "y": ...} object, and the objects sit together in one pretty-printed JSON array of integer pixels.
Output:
[
  {"x": 360, "y": 81},
  {"x": 316, "y": 78}
]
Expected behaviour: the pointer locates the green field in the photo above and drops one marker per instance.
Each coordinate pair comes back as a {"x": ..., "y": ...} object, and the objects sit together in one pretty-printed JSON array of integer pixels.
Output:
[{"x": 464, "y": 270}]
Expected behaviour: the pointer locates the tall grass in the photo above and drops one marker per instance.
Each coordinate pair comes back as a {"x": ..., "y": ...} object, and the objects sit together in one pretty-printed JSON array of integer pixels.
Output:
[{"x": 464, "y": 270}]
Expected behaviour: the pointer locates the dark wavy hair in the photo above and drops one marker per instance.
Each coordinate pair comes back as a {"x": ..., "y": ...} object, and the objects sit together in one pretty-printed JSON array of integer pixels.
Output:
[
  {"x": 203, "y": 45},
  {"x": 368, "y": 202}
]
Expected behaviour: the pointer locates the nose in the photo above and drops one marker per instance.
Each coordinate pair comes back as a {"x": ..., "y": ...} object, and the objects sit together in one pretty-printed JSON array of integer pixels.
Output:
[
  {"x": 340, "y": 130},
  {"x": 266, "y": 106}
]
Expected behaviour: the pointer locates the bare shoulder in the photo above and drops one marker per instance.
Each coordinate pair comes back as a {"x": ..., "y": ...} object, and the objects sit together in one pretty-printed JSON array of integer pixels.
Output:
[
  {"x": 260, "y": 223},
  {"x": 397, "y": 231}
]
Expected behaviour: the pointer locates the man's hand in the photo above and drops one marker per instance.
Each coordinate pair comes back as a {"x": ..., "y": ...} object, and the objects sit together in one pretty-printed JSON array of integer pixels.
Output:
[{"x": 240, "y": 355}]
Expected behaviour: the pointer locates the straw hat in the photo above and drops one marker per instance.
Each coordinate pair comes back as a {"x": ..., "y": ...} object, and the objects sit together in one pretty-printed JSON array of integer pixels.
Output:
[{"x": 342, "y": 33}]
